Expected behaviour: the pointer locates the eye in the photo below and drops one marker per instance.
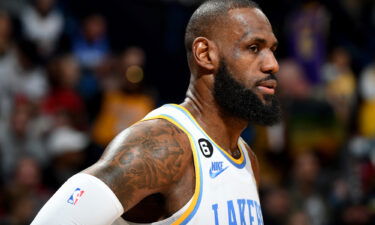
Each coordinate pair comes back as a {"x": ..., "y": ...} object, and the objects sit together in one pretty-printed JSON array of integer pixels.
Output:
[{"x": 254, "y": 48}]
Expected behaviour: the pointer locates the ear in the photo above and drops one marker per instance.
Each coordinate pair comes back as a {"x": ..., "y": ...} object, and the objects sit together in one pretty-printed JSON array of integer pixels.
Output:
[{"x": 205, "y": 53}]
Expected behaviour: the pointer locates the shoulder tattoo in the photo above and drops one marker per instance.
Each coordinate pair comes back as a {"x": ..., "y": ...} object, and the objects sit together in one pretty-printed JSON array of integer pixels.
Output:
[{"x": 144, "y": 159}]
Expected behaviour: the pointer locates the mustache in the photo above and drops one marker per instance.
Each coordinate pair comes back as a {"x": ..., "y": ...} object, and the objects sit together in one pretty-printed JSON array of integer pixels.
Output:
[{"x": 269, "y": 77}]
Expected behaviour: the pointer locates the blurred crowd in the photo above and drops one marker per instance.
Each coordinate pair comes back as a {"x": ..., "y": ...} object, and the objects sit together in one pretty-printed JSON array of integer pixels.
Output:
[{"x": 72, "y": 78}]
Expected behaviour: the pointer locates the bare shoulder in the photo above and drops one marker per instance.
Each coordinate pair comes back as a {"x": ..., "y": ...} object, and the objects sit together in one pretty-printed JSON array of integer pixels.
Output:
[
  {"x": 254, "y": 163},
  {"x": 144, "y": 159}
]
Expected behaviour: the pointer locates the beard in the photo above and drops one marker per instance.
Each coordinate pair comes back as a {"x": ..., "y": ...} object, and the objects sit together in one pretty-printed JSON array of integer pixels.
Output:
[{"x": 238, "y": 101}]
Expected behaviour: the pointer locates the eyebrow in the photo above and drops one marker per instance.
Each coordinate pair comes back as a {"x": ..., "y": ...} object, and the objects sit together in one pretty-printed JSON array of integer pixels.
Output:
[{"x": 257, "y": 39}]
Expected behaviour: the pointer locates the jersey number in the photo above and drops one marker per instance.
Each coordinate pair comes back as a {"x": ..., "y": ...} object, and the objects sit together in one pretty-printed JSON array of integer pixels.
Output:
[{"x": 206, "y": 147}]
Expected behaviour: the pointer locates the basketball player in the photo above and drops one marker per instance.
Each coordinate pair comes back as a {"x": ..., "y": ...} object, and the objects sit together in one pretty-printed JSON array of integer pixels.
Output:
[{"x": 186, "y": 164}]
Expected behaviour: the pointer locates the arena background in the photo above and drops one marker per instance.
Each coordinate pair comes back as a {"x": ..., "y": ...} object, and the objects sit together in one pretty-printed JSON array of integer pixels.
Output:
[{"x": 75, "y": 73}]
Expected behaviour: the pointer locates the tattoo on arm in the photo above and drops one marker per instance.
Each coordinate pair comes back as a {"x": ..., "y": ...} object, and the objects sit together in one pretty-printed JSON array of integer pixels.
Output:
[{"x": 148, "y": 160}]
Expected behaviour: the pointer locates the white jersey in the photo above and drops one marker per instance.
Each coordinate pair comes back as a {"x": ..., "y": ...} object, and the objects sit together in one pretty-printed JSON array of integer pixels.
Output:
[{"x": 225, "y": 188}]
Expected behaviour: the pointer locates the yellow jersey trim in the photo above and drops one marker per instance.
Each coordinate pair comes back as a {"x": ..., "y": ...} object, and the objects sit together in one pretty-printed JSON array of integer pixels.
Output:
[{"x": 198, "y": 184}]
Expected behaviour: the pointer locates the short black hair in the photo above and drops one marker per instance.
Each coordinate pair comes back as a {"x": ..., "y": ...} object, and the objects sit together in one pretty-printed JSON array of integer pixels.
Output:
[{"x": 208, "y": 15}]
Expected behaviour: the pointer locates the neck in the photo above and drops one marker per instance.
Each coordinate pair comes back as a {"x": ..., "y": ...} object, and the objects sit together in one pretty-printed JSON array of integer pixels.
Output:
[{"x": 223, "y": 128}]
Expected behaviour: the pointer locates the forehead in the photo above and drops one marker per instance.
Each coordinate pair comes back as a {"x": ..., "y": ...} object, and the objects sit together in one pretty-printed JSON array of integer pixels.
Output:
[{"x": 247, "y": 23}]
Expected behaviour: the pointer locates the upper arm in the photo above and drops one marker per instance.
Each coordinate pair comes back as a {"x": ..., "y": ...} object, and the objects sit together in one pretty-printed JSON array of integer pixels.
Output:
[{"x": 144, "y": 159}]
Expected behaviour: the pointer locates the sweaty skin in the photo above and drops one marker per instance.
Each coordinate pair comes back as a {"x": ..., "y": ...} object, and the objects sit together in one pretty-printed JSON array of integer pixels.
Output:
[{"x": 149, "y": 166}]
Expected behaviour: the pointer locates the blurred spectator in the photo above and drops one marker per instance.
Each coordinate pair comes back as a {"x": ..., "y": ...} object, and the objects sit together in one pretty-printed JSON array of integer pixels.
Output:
[
  {"x": 339, "y": 195},
  {"x": 91, "y": 49},
  {"x": 276, "y": 206},
  {"x": 360, "y": 160},
  {"x": 299, "y": 218},
  {"x": 311, "y": 124},
  {"x": 19, "y": 138},
  {"x": 356, "y": 215},
  {"x": 340, "y": 83},
  {"x": 306, "y": 191},
  {"x": 307, "y": 34},
  {"x": 367, "y": 108},
  {"x": 91, "y": 45},
  {"x": 43, "y": 24},
  {"x": 292, "y": 81},
  {"x": 125, "y": 101},
  {"x": 66, "y": 146},
  {"x": 25, "y": 193},
  {"x": 64, "y": 74},
  {"x": 7, "y": 63},
  {"x": 5, "y": 34},
  {"x": 30, "y": 79},
  {"x": 15, "y": 7}
]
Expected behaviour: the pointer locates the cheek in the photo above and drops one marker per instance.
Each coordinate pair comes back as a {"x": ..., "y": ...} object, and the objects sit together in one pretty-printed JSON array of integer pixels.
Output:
[
  {"x": 248, "y": 79},
  {"x": 246, "y": 72},
  {"x": 243, "y": 68}
]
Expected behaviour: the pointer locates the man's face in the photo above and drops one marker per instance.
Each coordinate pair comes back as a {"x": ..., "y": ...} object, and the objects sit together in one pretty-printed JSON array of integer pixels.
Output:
[{"x": 245, "y": 84}]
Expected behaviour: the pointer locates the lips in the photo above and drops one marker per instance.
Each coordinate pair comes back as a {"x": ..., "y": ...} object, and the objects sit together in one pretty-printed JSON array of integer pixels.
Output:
[{"x": 267, "y": 87}]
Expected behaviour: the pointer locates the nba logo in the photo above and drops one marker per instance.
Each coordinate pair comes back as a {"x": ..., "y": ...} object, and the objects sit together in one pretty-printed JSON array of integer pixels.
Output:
[{"x": 77, "y": 194}]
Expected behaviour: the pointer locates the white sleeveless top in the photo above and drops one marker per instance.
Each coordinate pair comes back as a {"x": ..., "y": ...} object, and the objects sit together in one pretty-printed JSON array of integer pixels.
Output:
[{"x": 225, "y": 188}]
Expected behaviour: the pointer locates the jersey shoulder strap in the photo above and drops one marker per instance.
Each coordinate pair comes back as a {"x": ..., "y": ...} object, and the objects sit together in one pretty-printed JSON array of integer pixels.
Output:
[{"x": 176, "y": 114}]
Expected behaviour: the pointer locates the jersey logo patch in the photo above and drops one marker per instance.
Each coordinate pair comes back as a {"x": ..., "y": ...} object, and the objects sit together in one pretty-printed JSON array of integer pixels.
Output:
[
  {"x": 77, "y": 194},
  {"x": 216, "y": 169},
  {"x": 206, "y": 147}
]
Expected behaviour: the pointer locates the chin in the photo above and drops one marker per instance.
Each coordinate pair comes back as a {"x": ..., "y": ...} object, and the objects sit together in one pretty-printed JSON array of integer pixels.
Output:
[{"x": 266, "y": 99}]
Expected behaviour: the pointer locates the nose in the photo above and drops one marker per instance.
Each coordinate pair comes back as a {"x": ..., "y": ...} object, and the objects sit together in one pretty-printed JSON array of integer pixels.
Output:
[{"x": 269, "y": 63}]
